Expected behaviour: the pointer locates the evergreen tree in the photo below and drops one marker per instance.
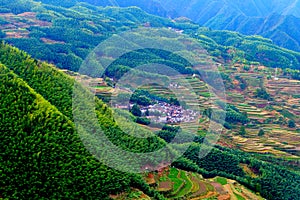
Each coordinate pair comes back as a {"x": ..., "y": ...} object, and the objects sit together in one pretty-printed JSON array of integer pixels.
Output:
[
  {"x": 261, "y": 132},
  {"x": 291, "y": 124},
  {"x": 242, "y": 131},
  {"x": 147, "y": 112},
  {"x": 136, "y": 111},
  {"x": 262, "y": 93}
]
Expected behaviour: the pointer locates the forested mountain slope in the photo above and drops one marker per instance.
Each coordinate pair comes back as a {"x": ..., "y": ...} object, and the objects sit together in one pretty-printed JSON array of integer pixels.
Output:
[
  {"x": 249, "y": 8},
  {"x": 38, "y": 134},
  {"x": 271, "y": 19},
  {"x": 40, "y": 150},
  {"x": 43, "y": 154},
  {"x": 65, "y": 36}
]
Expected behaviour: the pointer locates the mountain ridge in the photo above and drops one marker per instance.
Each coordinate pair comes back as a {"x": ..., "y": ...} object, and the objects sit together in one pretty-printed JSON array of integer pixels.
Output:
[
  {"x": 69, "y": 50},
  {"x": 257, "y": 13},
  {"x": 39, "y": 136}
]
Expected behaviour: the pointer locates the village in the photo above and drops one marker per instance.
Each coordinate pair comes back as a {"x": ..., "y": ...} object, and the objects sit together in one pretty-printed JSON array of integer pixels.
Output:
[{"x": 162, "y": 112}]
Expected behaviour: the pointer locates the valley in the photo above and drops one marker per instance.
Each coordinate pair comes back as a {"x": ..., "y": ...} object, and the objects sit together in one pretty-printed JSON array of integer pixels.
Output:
[
  {"x": 78, "y": 120},
  {"x": 272, "y": 116}
]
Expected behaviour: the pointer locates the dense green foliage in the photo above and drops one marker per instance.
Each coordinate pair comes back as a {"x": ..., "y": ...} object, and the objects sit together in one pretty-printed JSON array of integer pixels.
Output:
[
  {"x": 142, "y": 97},
  {"x": 216, "y": 161},
  {"x": 2, "y": 34},
  {"x": 43, "y": 156},
  {"x": 261, "y": 132},
  {"x": 295, "y": 74},
  {"x": 79, "y": 28},
  {"x": 36, "y": 108},
  {"x": 143, "y": 120},
  {"x": 242, "y": 131},
  {"x": 270, "y": 184},
  {"x": 148, "y": 56},
  {"x": 168, "y": 133},
  {"x": 15, "y": 7},
  {"x": 272, "y": 19},
  {"x": 136, "y": 111},
  {"x": 255, "y": 48},
  {"x": 233, "y": 114},
  {"x": 243, "y": 83},
  {"x": 291, "y": 124},
  {"x": 262, "y": 93}
]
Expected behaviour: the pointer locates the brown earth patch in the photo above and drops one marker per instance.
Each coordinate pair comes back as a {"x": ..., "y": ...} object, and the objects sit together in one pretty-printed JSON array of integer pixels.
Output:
[
  {"x": 219, "y": 188},
  {"x": 252, "y": 172},
  {"x": 165, "y": 186},
  {"x": 208, "y": 195},
  {"x": 28, "y": 14},
  {"x": 202, "y": 188},
  {"x": 49, "y": 41},
  {"x": 224, "y": 197}
]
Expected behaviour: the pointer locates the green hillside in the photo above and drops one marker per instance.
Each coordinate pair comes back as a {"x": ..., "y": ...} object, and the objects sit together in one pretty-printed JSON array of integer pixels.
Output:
[
  {"x": 52, "y": 150},
  {"x": 46, "y": 120},
  {"x": 272, "y": 19},
  {"x": 38, "y": 133},
  {"x": 65, "y": 36},
  {"x": 40, "y": 149}
]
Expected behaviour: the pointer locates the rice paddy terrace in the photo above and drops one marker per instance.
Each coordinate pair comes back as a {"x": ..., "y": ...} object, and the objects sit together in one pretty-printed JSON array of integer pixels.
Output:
[
  {"x": 200, "y": 90},
  {"x": 18, "y": 25},
  {"x": 277, "y": 117},
  {"x": 179, "y": 184},
  {"x": 272, "y": 116}
]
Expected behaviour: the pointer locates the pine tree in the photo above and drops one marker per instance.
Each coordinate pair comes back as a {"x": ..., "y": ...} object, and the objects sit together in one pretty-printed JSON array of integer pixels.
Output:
[
  {"x": 136, "y": 111},
  {"x": 242, "y": 131},
  {"x": 261, "y": 132},
  {"x": 291, "y": 124}
]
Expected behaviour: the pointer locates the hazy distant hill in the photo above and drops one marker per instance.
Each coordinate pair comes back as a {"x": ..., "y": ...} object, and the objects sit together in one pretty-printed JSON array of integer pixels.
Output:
[
  {"x": 65, "y": 36},
  {"x": 277, "y": 20}
]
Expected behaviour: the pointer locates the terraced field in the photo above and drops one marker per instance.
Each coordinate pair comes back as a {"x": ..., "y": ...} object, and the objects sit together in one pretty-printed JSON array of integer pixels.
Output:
[
  {"x": 179, "y": 184},
  {"x": 199, "y": 90},
  {"x": 277, "y": 140},
  {"x": 235, "y": 97},
  {"x": 272, "y": 116},
  {"x": 254, "y": 112},
  {"x": 287, "y": 94},
  {"x": 17, "y": 25},
  {"x": 287, "y": 107}
]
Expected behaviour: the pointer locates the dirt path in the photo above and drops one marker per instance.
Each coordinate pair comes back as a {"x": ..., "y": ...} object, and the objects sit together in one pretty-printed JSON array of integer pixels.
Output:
[
  {"x": 237, "y": 192},
  {"x": 228, "y": 188},
  {"x": 208, "y": 195}
]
